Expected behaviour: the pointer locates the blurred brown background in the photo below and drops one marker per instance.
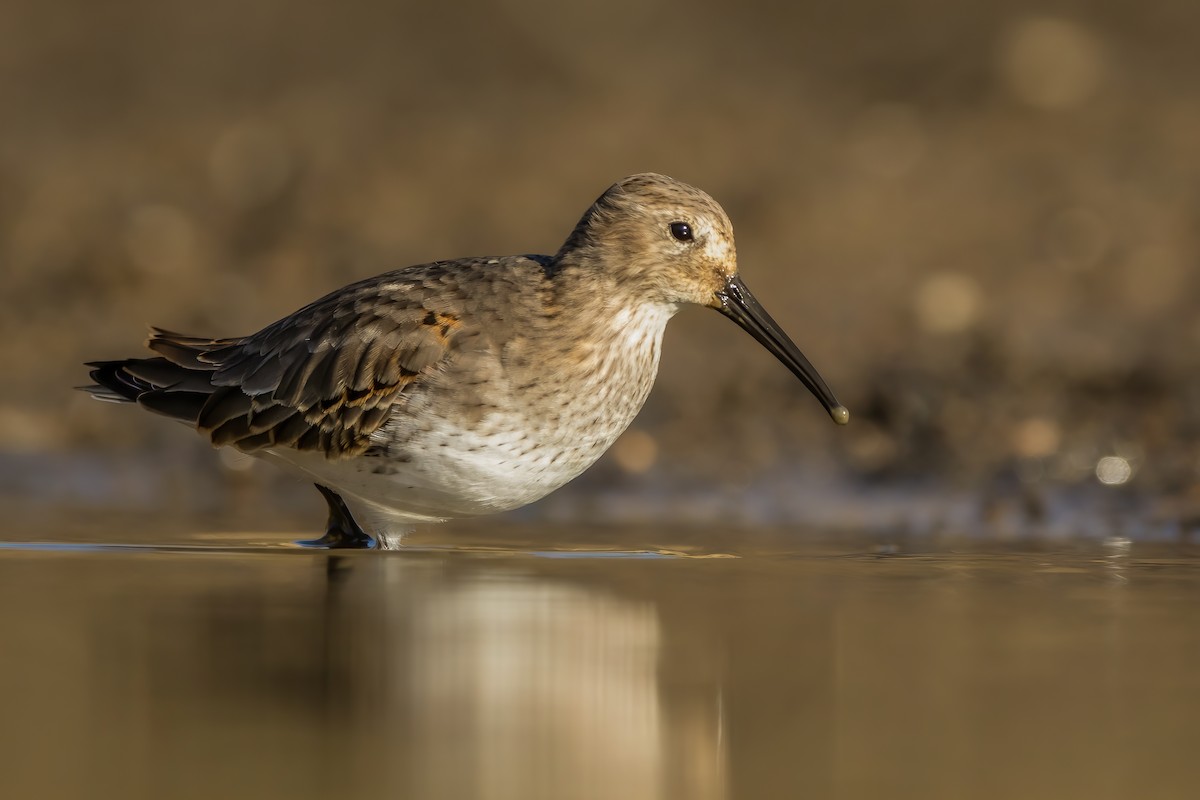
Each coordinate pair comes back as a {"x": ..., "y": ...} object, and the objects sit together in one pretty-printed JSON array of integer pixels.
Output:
[{"x": 979, "y": 221}]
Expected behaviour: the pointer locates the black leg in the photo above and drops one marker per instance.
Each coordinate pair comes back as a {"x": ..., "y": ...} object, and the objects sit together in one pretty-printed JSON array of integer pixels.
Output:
[{"x": 341, "y": 531}]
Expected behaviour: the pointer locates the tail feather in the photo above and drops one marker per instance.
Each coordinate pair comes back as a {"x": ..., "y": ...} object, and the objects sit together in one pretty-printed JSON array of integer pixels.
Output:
[
  {"x": 176, "y": 384},
  {"x": 162, "y": 374},
  {"x": 184, "y": 406},
  {"x": 114, "y": 383},
  {"x": 191, "y": 352},
  {"x": 203, "y": 342}
]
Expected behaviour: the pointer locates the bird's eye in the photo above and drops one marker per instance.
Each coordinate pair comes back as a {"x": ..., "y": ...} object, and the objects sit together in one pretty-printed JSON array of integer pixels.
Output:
[{"x": 681, "y": 231}]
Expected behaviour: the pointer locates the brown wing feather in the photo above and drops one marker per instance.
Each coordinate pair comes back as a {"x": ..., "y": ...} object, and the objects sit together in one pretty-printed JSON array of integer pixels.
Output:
[
  {"x": 328, "y": 376},
  {"x": 324, "y": 378}
]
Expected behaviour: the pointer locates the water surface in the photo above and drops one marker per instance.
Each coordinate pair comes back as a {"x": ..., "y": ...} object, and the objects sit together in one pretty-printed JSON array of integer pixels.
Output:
[{"x": 589, "y": 663}]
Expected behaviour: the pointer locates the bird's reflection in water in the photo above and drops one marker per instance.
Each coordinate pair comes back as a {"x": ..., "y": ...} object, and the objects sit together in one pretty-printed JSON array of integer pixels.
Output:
[{"x": 493, "y": 681}]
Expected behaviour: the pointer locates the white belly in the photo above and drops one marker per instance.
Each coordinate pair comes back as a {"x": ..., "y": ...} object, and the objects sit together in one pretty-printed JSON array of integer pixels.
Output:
[{"x": 450, "y": 473}]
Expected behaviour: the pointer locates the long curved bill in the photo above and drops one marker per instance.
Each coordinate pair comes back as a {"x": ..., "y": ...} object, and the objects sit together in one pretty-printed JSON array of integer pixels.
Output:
[{"x": 739, "y": 305}]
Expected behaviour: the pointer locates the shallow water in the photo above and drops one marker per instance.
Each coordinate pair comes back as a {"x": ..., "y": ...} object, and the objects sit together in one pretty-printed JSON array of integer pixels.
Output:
[{"x": 577, "y": 663}]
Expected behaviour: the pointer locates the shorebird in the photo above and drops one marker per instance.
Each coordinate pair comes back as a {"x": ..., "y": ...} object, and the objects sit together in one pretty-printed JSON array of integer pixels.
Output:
[{"x": 465, "y": 387}]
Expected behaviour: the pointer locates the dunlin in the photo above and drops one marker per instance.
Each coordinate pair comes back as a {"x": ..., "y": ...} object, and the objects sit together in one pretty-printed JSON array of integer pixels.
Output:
[{"x": 463, "y": 387}]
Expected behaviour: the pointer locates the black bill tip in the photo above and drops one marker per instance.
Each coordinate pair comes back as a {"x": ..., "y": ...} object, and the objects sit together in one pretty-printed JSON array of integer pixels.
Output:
[{"x": 737, "y": 303}]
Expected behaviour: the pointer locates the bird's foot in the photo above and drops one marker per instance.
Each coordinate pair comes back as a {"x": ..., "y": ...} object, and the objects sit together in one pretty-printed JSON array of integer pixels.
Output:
[{"x": 341, "y": 531}]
